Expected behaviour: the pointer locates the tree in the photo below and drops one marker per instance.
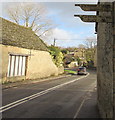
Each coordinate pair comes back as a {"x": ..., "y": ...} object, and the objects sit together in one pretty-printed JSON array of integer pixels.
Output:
[
  {"x": 71, "y": 49},
  {"x": 31, "y": 15},
  {"x": 90, "y": 42},
  {"x": 64, "y": 51},
  {"x": 90, "y": 49},
  {"x": 81, "y": 46},
  {"x": 82, "y": 49},
  {"x": 57, "y": 55}
]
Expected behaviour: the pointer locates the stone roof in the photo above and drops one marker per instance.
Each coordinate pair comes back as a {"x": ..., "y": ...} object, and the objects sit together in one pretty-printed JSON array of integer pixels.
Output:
[{"x": 19, "y": 36}]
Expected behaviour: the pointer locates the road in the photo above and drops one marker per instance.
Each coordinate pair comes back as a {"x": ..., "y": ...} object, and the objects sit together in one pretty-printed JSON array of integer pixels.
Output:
[{"x": 58, "y": 98}]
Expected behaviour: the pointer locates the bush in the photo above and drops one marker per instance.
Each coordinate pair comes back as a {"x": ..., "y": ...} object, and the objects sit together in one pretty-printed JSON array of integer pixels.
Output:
[{"x": 57, "y": 55}]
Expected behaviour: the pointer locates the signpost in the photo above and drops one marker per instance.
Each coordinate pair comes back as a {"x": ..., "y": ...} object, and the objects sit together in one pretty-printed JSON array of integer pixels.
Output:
[
  {"x": 96, "y": 8},
  {"x": 95, "y": 18},
  {"x": 105, "y": 14}
]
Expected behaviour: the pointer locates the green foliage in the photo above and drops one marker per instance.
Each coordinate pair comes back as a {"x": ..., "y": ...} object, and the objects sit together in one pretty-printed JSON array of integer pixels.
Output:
[
  {"x": 90, "y": 54},
  {"x": 71, "y": 49},
  {"x": 57, "y": 55},
  {"x": 78, "y": 60},
  {"x": 64, "y": 51}
]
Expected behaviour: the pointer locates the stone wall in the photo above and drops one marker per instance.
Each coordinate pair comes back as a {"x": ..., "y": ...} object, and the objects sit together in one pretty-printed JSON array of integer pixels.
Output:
[
  {"x": 105, "y": 63},
  {"x": 60, "y": 70},
  {"x": 39, "y": 63}
]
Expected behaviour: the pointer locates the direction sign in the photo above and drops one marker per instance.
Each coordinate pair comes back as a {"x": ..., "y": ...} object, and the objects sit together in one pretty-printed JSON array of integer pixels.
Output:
[
  {"x": 95, "y": 18},
  {"x": 95, "y": 7}
]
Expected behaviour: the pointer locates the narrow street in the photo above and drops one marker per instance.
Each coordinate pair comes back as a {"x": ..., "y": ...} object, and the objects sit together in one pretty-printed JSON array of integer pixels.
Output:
[
  {"x": 60, "y": 98},
  {"x": 57, "y": 59}
]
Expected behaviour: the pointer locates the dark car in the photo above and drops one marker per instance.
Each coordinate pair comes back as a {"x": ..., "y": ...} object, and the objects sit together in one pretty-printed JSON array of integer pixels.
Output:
[{"x": 81, "y": 71}]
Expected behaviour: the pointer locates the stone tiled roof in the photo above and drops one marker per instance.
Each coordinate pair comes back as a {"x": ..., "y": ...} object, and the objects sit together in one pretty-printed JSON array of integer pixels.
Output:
[{"x": 16, "y": 35}]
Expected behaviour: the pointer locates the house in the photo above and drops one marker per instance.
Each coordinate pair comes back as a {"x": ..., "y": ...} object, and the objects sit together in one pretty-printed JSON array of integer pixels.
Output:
[
  {"x": 80, "y": 52},
  {"x": 75, "y": 58},
  {"x": 24, "y": 55}
]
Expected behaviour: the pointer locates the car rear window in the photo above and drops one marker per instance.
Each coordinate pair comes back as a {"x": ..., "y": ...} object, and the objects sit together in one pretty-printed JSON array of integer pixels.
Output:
[{"x": 81, "y": 68}]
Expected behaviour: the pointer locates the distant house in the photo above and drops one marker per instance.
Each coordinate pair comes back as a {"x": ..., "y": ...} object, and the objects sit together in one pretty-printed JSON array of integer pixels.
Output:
[
  {"x": 80, "y": 52},
  {"x": 73, "y": 64},
  {"x": 24, "y": 55},
  {"x": 71, "y": 59}
]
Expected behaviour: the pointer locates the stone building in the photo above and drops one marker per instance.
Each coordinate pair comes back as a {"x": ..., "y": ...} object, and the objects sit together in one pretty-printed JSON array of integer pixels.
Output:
[
  {"x": 71, "y": 59},
  {"x": 105, "y": 29},
  {"x": 106, "y": 61},
  {"x": 80, "y": 52},
  {"x": 24, "y": 55}
]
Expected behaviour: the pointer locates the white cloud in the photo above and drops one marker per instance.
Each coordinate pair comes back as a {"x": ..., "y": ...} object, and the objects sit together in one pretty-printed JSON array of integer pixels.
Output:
[
  {"x": 66, "y": 38},
  {"x": 61, "y": 34},
  {"x": 63, "y": 37}
]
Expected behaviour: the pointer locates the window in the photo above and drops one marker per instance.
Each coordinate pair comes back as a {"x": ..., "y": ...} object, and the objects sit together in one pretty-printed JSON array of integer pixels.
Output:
[{"x": 16, "y": 65}]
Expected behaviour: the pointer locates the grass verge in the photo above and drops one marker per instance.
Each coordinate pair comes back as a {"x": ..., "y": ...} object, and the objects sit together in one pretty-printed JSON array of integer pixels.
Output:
[{"x": 70, "y": 71}]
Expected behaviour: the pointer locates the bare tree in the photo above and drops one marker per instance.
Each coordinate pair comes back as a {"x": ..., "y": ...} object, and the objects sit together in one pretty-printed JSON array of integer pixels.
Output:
[
  {"x": 31, "y": 15},
  {"x": 14, "y": 14},
  {"x": 90, "y": 42},
  {"x": 81, "y": 46}
]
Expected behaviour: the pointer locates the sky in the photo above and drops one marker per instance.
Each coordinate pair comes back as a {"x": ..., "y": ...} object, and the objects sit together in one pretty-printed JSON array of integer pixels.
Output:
[{"x": 70, "y": 31}]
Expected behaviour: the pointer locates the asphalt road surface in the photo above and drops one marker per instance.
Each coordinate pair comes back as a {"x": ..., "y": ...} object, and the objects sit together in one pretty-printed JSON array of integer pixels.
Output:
[{"x": 58, "y": 98}]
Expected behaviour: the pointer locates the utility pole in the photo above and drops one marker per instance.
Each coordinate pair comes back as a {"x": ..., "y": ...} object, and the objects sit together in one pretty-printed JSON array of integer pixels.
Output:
[{"x": 54, "y": 42}]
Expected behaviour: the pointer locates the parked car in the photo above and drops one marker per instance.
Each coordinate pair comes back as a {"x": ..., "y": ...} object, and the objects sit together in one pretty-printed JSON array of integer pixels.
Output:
[{"x": 81, "y": 71}]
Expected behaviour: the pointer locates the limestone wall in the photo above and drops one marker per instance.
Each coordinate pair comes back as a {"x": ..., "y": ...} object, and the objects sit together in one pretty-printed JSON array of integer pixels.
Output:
[
  {"x": 105, "y": 54},
  {"x": 39, "y": 63}
]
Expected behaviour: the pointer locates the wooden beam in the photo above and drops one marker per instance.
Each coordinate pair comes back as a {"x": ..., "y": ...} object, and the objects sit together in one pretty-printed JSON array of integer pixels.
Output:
[
  {"x": 95, "y": 18},
  {"x": 95, "y": 7}
]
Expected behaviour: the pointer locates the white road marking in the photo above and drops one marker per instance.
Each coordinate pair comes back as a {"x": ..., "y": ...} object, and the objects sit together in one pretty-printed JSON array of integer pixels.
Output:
[
  {"x": 75, "y": 116},
  {"x": 23, "y": 100},
  {"x": 85, "y": 98}
]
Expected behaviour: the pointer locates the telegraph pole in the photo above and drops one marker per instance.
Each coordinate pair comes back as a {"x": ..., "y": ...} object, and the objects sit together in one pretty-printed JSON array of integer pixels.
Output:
[{"x": 54, "y": 42}]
